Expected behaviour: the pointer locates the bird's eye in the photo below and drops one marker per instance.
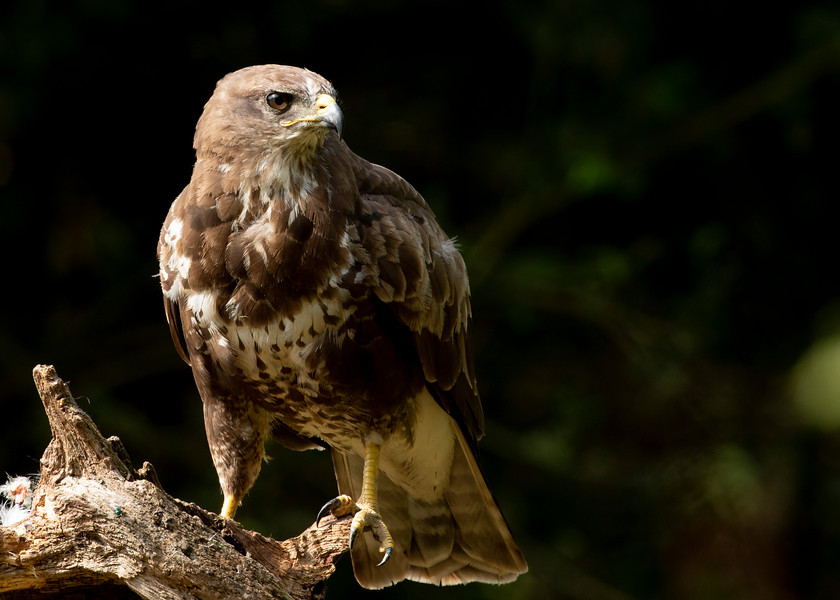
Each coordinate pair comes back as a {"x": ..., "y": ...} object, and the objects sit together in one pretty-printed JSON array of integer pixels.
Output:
[{"x": 279, "y": 100}]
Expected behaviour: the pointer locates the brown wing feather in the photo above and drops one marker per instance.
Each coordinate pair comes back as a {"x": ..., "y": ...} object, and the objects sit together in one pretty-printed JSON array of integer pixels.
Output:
[{"x": 418, "y": 272}]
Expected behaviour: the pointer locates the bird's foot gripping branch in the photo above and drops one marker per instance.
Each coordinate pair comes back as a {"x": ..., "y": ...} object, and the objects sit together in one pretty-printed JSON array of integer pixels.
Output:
[{"x": 99, "y": 525}]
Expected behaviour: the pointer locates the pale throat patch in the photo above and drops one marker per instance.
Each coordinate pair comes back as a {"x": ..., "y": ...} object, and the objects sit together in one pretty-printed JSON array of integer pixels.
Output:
[{"x": 292, "y": 168}]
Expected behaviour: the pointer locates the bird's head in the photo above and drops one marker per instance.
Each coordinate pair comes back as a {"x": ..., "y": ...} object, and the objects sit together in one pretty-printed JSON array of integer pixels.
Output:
[{"x": 266, "y": 109}]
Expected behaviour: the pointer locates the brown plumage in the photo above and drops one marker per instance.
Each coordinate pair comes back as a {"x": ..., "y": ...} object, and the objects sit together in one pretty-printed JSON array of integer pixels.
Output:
[{"x": 318, "y": 301}]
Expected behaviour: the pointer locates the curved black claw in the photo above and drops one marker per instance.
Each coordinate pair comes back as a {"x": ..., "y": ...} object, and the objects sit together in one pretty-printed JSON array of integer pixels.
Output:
[
  {"x": 328, "y": 507},
  {"x": 354, "y": 532},
  {"x": 385, "y": 558},
  {"x": 367, "y": 517},
  {"x": 337, "y": 507}
]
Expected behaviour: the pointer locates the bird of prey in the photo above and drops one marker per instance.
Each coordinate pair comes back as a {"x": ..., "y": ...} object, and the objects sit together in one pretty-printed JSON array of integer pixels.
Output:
[{"x": 318, "y": 301}]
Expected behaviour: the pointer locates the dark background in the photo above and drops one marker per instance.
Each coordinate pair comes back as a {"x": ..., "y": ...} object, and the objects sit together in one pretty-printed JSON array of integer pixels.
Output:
[{"x": 642, "y": 193}]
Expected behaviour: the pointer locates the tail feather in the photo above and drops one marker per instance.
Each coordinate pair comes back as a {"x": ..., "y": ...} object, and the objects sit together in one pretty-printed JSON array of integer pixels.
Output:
[
  {"x": 483, "y": 533},
  {"x": 432, "y": 532},
  {"x": 459, "y": 539}
]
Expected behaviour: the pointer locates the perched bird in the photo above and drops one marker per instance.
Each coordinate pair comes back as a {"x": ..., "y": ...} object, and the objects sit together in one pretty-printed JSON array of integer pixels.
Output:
[{"x": 318, "y": 301}]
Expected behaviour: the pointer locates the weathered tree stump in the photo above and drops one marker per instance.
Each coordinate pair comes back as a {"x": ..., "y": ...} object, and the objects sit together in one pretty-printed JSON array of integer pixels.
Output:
[{"x": 101, "y": 528}]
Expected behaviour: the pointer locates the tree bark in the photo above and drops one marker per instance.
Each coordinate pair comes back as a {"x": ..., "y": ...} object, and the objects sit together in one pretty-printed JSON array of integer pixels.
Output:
[{"x": 99, "y": 527}]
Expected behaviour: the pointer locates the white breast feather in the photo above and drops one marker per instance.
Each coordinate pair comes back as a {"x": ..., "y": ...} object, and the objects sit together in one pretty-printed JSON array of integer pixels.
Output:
[{"x": 277, "y": 344}]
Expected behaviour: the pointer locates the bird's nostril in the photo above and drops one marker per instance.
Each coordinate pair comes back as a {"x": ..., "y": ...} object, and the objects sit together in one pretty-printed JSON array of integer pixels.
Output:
[{"x": 324, "y": 101}]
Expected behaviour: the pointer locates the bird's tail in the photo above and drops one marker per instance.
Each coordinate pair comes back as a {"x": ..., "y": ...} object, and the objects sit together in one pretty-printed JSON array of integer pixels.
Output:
[{"x": 460, "y": 538}]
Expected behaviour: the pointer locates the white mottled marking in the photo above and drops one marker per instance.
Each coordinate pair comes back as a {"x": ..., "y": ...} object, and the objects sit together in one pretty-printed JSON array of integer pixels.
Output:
[
  {"x": 245, "y": 197},
  {"x": 173, "y": 232},
  {"x": 344, "y": 242},
  {"x": 293, "y": 214},
  {"x": 176, "y": 263},
  {"x": 276, "y": 345},
  {"x": 336, "y": 278},
  {"x": 203, "y": 307}
]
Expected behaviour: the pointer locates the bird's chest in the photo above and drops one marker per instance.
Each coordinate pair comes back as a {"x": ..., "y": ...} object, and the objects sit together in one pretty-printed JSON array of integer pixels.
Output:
[
  {"x": 286, "y": 364},
  {"x": 281, "y": 353}
]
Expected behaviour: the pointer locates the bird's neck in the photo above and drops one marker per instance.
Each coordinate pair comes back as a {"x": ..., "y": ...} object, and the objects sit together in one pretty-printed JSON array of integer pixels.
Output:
[
  {"x": 280, "y": 181},
  {"x": 292, "y": 175}
]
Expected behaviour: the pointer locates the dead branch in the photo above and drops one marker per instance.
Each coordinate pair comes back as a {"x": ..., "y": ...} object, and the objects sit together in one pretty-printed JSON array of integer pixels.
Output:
[{"x": 99, "y": 526}]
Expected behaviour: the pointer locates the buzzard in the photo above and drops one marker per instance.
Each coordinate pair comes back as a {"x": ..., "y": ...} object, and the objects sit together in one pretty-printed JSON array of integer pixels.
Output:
[{"x": 318, "y": 301}]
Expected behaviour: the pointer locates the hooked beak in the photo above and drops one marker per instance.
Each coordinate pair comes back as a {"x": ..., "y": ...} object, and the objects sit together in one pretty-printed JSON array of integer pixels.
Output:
[{"x": 329, "y": 113}]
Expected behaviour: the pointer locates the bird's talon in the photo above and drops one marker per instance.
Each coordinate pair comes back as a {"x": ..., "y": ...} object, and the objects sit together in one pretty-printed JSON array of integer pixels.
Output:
[
  {"x": 368, "y": 518},
  {"x": 324, "y": 510},
  {"x": 385, "y": 558},
  {"x": 337, "y": 507}
]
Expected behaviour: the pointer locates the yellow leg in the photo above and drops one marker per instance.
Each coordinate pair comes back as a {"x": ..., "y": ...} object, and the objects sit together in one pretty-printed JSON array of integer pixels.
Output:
[
  {"x": 368, "y": 515},
  {"x": 367, "y": 507},
  {"x": 229, "y": 507},
  {"x": 370, "y": 476}
]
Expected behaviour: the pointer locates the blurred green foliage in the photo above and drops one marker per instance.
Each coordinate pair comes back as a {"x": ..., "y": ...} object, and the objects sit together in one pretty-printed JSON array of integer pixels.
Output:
[{"x": 642, "y": 192}]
